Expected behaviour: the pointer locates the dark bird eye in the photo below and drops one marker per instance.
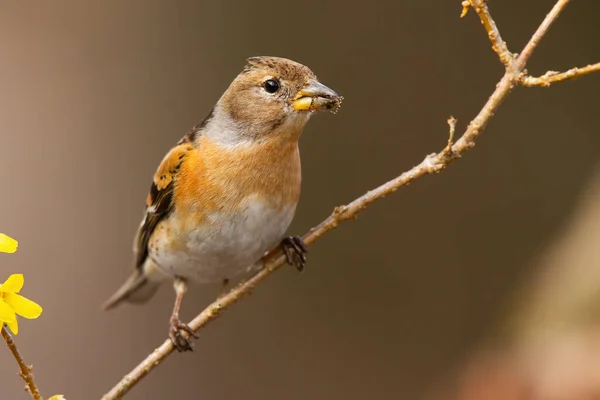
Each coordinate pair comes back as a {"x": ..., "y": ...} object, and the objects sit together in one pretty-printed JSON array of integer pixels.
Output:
[{"x": 271, "y": 86}]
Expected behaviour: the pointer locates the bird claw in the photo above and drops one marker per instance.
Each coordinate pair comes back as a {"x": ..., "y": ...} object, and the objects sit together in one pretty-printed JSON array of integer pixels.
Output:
[
  {"x": 180, "y": 342},
  {"x": 295, "y": 251}
]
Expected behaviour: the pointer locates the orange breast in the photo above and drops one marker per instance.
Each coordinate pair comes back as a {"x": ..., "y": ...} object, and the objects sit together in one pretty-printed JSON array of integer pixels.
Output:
[
  {"x": 215, "y": 186},
  {"x": 217, "y": 178}
]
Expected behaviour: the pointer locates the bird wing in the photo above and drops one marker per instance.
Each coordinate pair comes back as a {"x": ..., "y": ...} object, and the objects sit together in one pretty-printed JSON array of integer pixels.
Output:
[{"x": 159, "y": 203}]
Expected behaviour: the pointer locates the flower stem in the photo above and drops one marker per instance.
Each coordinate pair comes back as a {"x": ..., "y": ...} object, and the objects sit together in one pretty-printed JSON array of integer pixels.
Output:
[{"x": 25, "y": 371}]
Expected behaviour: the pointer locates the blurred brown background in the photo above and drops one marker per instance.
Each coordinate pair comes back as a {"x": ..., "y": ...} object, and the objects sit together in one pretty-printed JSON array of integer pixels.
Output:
[{"x": 92, "y": 94}]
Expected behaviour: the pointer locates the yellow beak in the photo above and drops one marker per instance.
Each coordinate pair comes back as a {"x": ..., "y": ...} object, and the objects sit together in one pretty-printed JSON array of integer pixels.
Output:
[{"x": 315, "y": 96}]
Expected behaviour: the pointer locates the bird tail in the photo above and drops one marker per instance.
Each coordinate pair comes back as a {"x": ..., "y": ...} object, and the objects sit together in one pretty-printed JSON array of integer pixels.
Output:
[{"x": 138, "y": 288}]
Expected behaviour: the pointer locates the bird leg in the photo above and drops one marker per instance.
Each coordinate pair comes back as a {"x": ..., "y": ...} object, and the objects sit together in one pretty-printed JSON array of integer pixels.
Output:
[
  {"x": 295, "y": 251},
  {"x": 180, "y": 342}
]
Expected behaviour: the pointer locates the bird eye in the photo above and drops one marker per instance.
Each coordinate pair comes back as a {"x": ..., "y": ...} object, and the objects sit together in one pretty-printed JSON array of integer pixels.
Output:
[{"x": 271, "y": 86}]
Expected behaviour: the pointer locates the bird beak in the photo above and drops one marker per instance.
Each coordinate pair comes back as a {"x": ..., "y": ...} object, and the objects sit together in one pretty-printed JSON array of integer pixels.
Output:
[{"x": 315, "y": 96}]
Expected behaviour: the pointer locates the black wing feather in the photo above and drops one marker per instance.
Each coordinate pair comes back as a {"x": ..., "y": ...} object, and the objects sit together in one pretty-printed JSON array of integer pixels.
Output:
[{"x": 162, "y": 205}]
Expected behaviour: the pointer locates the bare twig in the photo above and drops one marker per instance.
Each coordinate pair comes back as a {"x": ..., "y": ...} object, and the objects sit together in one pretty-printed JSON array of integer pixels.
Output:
[
  {"x": 551, "y": 77},
  {"x": 498, "y": 45},
  {"x": 24, "y": 370},
  {"x": 539, "y": 34},
  {"x": 452, "y": 124},
  {"x": 432, "y": 163},
  {"x": 506, "y": 57}
]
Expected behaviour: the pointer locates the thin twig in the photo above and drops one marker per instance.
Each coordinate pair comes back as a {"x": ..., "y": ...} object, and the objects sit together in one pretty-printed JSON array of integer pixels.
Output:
[
  {"x": 551, "y": 77},
  {"x": 432, "y": 163},
  {"x": 498, "y": 45},
  {"x": 24, "y": 370},
  {"x": 452, "y": 124},
  {"x": 539, "y": 34}
]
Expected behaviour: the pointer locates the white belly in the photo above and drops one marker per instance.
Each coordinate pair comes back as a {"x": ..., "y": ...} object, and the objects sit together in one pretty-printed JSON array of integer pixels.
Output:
[{"x": 226, "y": 246}]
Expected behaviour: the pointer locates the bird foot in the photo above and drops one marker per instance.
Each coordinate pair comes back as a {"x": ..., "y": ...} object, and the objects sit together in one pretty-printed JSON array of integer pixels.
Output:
[
  {"x": 180, "y": 342},
  {"x": 295, "y": 251}
]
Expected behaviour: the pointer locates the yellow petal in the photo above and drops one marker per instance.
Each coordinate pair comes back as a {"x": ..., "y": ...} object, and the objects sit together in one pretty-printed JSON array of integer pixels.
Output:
[
  {"x": 13, "y": 284},
  {"x": 7, "y": 314},
  {"x": 14, "y": 327},
  {"x": 22, "y": 306},
  {"x": 8, "y": 244},
  {"x": 57, "y": 397}
]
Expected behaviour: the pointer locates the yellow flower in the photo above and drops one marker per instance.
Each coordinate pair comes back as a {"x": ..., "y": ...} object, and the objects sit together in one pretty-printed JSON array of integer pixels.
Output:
[
  {"x": 12, "y": 303},
  {"x": 7, "y": 244},
  {"x": 57, "y": 397}
]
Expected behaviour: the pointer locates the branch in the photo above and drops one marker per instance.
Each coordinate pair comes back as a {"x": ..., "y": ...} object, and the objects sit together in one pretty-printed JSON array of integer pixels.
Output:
[
  {"x": 539, "y": 33},
  {"x": 551, "y": 77},
  {"x": 498, "y": 45},
  {"x": 507, "y": 58},
  {"x": 24, "y": 370},
  {"x": 433, "y": 163}
]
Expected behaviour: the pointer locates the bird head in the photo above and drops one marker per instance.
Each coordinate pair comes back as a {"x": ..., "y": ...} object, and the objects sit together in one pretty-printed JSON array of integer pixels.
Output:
[{"x": 271, "y": 97}]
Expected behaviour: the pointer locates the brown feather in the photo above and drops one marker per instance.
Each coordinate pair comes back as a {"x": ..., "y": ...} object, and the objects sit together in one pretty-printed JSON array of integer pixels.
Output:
[{"x": 160, "y": 199}]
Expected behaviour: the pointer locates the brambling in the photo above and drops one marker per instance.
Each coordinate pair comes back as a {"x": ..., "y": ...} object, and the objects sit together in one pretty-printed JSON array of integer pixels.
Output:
[{"x": 227, "y": 192}]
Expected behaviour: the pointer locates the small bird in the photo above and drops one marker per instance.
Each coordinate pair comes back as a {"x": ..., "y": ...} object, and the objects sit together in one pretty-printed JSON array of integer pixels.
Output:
[{"x": 227, "y": 192}]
